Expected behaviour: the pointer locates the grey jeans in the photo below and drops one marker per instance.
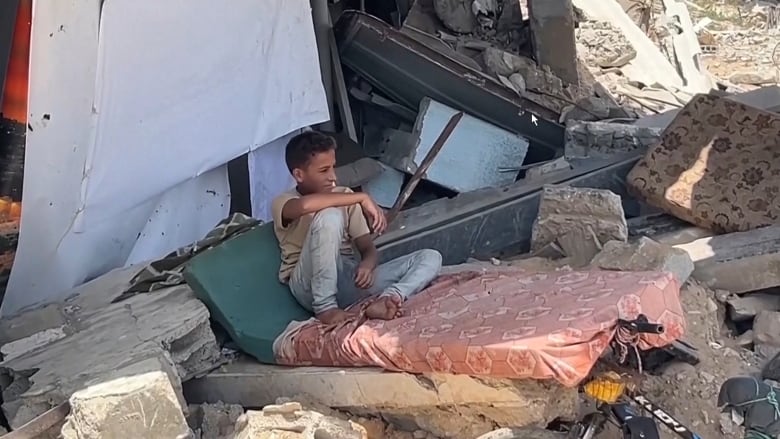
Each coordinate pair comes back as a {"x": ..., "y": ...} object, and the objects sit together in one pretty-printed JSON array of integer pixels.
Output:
[{"x": 324, "y": 278}]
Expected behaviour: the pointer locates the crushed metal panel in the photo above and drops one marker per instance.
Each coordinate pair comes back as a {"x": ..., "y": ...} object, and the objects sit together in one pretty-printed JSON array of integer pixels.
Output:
[
  {"x": 485, "y": 222},
  {"x": 407, "y": 71},
  {"x": 471, "y": 156}
]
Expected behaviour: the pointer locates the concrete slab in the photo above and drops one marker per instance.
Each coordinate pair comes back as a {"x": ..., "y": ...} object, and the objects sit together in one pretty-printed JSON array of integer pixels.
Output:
[
  {"x": 459, "y": 165},
  {"x": 169, "y": 323},
  {"x": 504, "y": 402},
  {"x": 598, "y": 139},
  {"x": 738, "y": 262},
  {"x": 76, "y": 305}
]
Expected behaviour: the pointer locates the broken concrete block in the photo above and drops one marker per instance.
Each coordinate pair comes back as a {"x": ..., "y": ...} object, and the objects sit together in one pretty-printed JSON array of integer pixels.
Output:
[
  {"x": 440, "y": 402},
  {"x": 766, "y": 327},
  {"x": 76, "y": 305},
  {"x": 456, "y": 15},
  {"x": 166, "y": 323},
  {"x": 542, "y": 170},
  {"x": 591, "y": 108},
  {"x": 214, "y": 421},
  {"x": 535, "y": 77},
  {"x": 552, "y": 29},
  {"x": 754, "y": 77},
  {"x": 743, "y": 308},
  {"x": 140, "y": 402},
  {"x": 36, "y": 341},
  {"x": 563, "y": 209},
  {"x": 595, "y": 139},
  {"x": 358, "y": 172},
  {"x": 644, "y": 255},
  {"x": 303, "y": 424},
  {"x": 580, "y": 245},
  {"x": 738, "y": 262}
]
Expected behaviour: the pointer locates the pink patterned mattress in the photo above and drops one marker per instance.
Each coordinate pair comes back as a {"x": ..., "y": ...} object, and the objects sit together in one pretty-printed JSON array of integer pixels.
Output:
[{"x": 507, "y": 324}]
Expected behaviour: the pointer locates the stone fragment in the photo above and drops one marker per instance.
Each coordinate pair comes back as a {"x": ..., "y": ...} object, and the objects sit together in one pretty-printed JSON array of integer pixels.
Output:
[
  {"x": 168, "y": 323},
  {"x": 745, "y": 340},
  {"x": 585, "y": 139},
  {"x": 754, "y": 77},
  {"x": 766, "y": 328},
  {"x": 580, "y": 245},
  {"x": 563, "y": 209},
  {"x": 214, "y": 421},
  {"x": 140, "y": 401},
  {"x": 739, "y": 262},
  {"x": 591, "y": 108},
  {"x": 76, "y": 305},
  {"x": 540, "y": 171},
  {"x": 644, "y": 255},
  {"x": 303, "y": 424},
  {"x": 743, "y": 308},
  {"x": 456, "y": 15},
  {"x": 36, "y": 341},
  {"x": 536, "y": 78}
]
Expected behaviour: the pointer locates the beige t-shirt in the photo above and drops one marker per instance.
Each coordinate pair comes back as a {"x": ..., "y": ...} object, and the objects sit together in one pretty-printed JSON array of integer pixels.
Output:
[{"x": 291, "y": 238}]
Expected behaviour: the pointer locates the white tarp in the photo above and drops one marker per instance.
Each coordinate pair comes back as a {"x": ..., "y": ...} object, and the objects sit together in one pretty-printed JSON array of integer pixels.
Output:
[
  {"x": 268, "y": 176},
  {"x": 134, "y": 112}
]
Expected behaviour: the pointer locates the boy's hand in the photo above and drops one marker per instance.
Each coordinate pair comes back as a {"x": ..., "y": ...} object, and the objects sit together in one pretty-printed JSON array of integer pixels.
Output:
[
  {"x": 364, "y": 275},
  {"x": 375, "y": 214},
  {"x": 333, "y": 316}
]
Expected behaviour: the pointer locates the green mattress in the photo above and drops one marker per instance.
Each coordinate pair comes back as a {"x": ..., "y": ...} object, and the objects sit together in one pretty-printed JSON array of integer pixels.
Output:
[{"x": 238, "y": 281}]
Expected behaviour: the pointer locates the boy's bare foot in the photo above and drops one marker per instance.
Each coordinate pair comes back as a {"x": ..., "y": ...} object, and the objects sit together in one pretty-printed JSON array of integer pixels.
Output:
[
  {"x": 333, "y": 316},
  {"x": 384, "y": 308}
]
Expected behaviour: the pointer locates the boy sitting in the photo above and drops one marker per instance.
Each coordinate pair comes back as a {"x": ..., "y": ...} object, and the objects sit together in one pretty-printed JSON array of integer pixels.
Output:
[{"x": 316, "y": 224}]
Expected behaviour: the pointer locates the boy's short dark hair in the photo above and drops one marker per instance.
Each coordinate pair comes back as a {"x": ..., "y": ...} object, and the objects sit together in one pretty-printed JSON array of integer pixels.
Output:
[{"x": 304, "y": 146}]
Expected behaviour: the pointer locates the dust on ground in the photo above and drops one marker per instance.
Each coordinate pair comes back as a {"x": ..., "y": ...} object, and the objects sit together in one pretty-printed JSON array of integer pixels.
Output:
[{"x": 690, "y": 393}]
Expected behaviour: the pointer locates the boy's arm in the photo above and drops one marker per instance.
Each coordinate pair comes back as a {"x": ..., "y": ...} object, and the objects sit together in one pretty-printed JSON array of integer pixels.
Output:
[
  {"x": 298, "y": 207},
  {"x": 368, "y": 254},
  {"x": 369, "y": 258}
]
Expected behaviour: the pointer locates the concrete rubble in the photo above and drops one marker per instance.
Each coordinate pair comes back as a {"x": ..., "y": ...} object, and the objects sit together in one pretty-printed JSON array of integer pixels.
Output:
[
  {"x": 291, "y": 420},
  {"x": 644, "y": 255},
  {"x": 579, "y": 221},
  {"x": 428, "y": 403},
  {"x": 142, "y": 401},
  {"x": 593, "y": 139},
  {"x": 738, "y": 262},
  {"x": 169, "y": 324}
]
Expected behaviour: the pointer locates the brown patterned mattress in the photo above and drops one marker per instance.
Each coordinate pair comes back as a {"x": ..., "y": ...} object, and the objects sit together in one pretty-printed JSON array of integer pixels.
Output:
[
  {"x": 717, "y": 166},
  {"x": 509, "y": 324}
]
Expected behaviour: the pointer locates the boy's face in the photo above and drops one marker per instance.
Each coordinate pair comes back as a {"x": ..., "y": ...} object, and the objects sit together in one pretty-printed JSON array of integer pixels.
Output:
[{"x": 319, "y": 173}]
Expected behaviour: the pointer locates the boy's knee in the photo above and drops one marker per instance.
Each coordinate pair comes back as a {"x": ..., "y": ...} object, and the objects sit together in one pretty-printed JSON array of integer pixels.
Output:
[
  {"x": 330, "y": 219},
  {"x": 430, "y": 257}
]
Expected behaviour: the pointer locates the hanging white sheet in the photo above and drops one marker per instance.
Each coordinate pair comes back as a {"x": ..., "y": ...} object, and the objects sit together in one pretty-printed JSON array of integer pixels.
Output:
[
  {"x": 127, "y": 126},
  {"x": 268, "y": 176}
]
